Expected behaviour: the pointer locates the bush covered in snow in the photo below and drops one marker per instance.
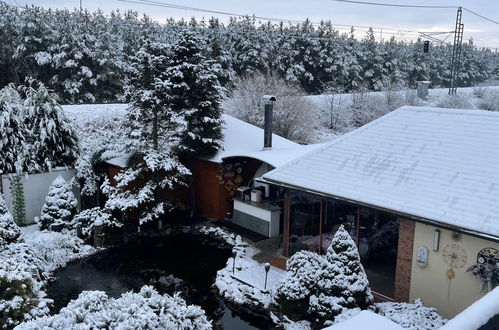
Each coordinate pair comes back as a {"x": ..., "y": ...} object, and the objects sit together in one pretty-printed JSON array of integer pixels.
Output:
[
  {"x": 146, "y": 309},
  {"x": 9, "y": 231},
  {"x": 457, "y": 101},
  {"x": 342, "y": 282},
  {"x": 293, "y": 291},
  {"x": 489, "y": 101},
  {"x": 18, "y": 293},
  {"x": 294, "y": 115},
  {"x": 25, "y": 268},
  {"x": 57, "y": 249},
  {"x": 412, "y": 316},
  {"x": 85, "y": 221},
  {"x": 60, "y": 206}
]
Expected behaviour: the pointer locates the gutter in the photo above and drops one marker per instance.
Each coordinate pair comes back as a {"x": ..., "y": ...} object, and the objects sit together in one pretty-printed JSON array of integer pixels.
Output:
[{"x": 415, "y": 218}]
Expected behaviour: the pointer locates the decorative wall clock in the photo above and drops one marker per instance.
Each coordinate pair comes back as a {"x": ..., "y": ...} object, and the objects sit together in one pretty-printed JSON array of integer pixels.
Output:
[{"x": 454, "y": 255}]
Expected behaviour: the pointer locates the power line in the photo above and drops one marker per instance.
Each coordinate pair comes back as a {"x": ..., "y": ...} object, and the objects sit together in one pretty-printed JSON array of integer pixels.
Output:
[
  {"x": 416, "y": 6},
  {"x": 394, "y": 4},
  {"x": 481, "y": 16},
  {"x": 175, "y": 6}
]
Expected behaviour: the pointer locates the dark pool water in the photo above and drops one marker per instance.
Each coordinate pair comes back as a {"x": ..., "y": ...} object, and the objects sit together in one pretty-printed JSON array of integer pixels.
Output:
[{"x": 186, "y": 263}]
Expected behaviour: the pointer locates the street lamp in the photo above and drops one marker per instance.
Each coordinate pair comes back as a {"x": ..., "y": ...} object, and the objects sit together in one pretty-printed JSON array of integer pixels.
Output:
[{"x": 267, "y": 268}]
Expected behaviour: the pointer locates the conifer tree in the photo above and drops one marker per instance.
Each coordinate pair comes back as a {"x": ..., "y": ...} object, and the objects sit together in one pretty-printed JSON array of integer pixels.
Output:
[
  {"x": 52, "y": 139},
  {"x": 196, "y": 95},
  {"x": 9, "y": 231},
  {"x": 13, "y": 132},
  {"x": 60, "y": 206},
  {"x": 155, "y": 131},
  {"x": 342, "y": 282}
]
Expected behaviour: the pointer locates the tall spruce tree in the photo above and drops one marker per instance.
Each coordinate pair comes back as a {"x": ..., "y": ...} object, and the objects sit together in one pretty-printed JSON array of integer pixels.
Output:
[
  {"x": 342, "y": 282},
  {"x": 13, "y": 132},
  {"x": 195, "y": 94},
  {"x": 52, "y": 138},
  {"x": 155, "y": 131}
]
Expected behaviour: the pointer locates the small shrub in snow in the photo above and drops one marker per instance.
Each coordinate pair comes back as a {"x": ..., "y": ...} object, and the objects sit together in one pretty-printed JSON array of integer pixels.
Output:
[
  {"x": 455, "y": 102},
  {"x": 490, "y": 101},
  {"x": 412, "y": 316},
  {"x": 57, "y": 249},
  {"x": 292, "y": 293},
  {"x": 9, "y": 231},
  {"x": 87, "y": 220},
  {"x": 342, "y": 282},
  {"x": 479, "y": 92},
  {"x": 144, "y": 310},
  {"x": 60, "y": 206},
  {"x": 18, "y": 294}
]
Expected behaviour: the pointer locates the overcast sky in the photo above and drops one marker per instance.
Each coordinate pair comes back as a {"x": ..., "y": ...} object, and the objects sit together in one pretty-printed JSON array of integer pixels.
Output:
[{"x": 483, "y": 32}]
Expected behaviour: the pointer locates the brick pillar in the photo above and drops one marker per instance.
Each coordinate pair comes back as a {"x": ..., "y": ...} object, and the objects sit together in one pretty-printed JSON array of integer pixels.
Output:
[{"x": 404, "y": 260}]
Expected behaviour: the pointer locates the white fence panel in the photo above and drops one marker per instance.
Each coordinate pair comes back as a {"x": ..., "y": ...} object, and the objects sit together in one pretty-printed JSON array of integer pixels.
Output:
[{"x": 36, "y": 187}]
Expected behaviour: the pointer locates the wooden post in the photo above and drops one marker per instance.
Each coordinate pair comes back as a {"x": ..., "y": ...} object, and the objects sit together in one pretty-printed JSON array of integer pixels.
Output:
[
  {"x": 357, "y": 239},
  {"x": 321, "y": 215},
  {"x": 287, "y": 215}
]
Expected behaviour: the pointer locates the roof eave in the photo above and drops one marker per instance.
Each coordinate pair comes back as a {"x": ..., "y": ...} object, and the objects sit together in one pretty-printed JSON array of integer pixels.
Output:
[{"x": 416, "y": 218}]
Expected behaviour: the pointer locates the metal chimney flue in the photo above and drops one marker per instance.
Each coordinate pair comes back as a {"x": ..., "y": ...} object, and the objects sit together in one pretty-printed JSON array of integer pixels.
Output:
[{"x": 267, "y": 125}]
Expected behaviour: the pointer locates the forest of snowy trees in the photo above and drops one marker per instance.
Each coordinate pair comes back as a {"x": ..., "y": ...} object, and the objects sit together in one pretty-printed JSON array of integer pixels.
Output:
[{"x": 85, "y": 57}]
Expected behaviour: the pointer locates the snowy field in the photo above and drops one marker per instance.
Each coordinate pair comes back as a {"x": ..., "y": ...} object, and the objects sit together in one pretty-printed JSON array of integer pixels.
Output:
[{"x": 100, "y": 124}]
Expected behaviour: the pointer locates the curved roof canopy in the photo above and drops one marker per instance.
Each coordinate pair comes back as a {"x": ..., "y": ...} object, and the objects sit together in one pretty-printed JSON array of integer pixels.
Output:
[{"x": 245, "y": 140}]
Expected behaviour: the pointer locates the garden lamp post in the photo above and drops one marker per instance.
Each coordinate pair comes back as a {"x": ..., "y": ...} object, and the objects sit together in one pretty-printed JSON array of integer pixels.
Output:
[
  {"x": 267, "y": 268},
  {"x": 234, "y": 255}
]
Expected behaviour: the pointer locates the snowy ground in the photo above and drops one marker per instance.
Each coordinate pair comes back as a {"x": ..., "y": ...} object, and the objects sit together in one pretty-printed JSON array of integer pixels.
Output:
[
  {"x": 41, "y": 253},
  {"x": 231, "y": 288},
  {"x": 255, "y": 277}
]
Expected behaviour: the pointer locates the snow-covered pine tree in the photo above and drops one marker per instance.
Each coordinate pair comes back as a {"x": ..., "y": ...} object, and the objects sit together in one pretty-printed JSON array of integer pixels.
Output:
[
  {"x": 155, "y": 131},
  {"x": 60, "y": 206},
  {"x": 13, "y": 132},
  {"x": 342, "y": 282},
  {"x": 52, "y": 139},
  {"x": 195, "y": 94},
  {"x": 9, "y": 231}
]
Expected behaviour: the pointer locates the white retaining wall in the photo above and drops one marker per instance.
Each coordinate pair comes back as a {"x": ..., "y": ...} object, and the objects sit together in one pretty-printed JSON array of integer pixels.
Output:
[{"x": 36, "y": 187}]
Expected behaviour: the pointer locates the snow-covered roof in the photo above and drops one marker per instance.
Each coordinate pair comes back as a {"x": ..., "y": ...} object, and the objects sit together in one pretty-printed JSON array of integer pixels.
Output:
[
  {"x": 476, "y": 315},
  {"x": 121, "y": 161},
  {"x": 366, "y": 320},
  {"x": 245, "y": 140},
  {"x": 430, "y": 163}
]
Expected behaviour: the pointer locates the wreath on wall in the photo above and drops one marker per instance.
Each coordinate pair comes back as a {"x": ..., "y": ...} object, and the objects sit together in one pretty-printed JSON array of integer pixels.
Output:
[{"x": 486, "y": 268}]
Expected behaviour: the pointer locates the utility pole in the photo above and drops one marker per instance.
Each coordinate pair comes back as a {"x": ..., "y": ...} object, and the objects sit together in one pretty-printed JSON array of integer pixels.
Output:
[
  {"x": 456, "y": 52},
  {"x": 81, "y": 7}
]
